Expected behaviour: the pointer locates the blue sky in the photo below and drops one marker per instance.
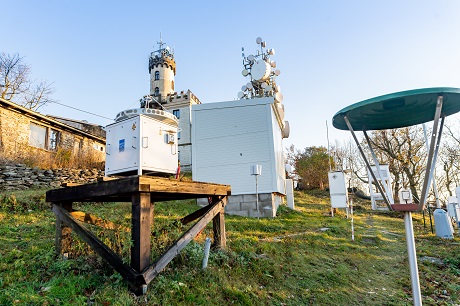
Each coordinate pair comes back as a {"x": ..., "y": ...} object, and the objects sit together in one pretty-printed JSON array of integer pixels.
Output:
[{"x": 331, "y": 53}]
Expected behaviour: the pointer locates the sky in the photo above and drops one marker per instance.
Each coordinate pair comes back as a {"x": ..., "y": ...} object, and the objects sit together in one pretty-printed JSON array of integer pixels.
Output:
[{"x": 331, "y": 53}]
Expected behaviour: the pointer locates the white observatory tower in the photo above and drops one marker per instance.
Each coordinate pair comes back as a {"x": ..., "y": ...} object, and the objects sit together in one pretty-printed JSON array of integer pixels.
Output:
[{"x": 162, "y": 69}]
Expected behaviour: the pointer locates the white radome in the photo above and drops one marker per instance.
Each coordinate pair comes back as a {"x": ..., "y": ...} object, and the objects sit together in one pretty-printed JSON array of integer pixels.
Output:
[{"x": 260, "y": 70}]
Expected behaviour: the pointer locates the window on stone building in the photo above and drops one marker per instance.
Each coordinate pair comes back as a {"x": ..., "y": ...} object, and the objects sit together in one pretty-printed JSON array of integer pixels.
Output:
[
  {"x": 98, "y": 147},
  {"x": 176, "y": 112},
  {"x": 43, "y": 137},
  {"x": 53, "y": 139},
  {"x": 37, "y": 136},
  {"x": 77, "y": 145},
  {"x": 157, "y": 91},
  {"x": 157, "y": 75}
]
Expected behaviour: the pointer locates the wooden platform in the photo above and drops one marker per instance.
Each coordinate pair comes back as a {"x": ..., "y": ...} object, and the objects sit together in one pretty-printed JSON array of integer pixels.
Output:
[{"x": 142, "y": 192}]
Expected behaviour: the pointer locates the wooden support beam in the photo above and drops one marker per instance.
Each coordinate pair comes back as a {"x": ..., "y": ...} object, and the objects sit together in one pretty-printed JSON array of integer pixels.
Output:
[
  {"x": 70, "y": 184},
  {"x": 195, "y": 215},
  {"x": 175, "y": 249},
  {"x": 140, "y": 251},
  {"x": 94, "y": 220},
  {"x": 162, "y": 189},
  {"x": 63, "y": 239},
  {"x": 218, "y": 225},
  {"x": 128, "y": 273}
]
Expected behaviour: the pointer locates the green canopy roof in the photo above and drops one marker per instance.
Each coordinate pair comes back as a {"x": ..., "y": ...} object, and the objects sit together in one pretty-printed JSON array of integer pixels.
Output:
[{"x": 398, "y": 109}]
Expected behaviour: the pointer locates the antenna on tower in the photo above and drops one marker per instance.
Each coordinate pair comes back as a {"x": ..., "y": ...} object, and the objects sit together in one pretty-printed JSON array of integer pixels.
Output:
[{"x": 160, "y": 43}]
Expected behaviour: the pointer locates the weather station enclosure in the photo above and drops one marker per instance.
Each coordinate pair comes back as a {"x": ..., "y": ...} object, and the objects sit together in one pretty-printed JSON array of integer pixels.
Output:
[
  {"x": 338, "y": 189},
  {"x": 142, "y": 144},
  {"x": 383, "y": 177}
]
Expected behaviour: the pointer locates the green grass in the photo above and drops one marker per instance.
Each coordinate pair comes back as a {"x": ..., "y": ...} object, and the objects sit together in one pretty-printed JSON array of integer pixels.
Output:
[{"x": 288, "y": 260}]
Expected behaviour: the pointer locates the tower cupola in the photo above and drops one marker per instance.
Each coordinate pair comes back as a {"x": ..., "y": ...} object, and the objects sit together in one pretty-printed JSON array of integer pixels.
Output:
[{"x": 162, "y": 69}]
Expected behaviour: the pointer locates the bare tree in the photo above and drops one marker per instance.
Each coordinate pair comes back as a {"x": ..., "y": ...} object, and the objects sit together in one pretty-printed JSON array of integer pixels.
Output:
[
  {"x": 404, "y": 151},
  {"x": 347, "y": 157},
  {"x": 450, "y": 159},
  {"x": 16, "y": 86}
]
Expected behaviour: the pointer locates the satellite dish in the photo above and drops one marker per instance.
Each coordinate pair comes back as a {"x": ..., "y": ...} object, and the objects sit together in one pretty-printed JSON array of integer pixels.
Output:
[
  {"x": 260, "y": 70},
  {"x": 249, "y": 85},
  {"x": 263, "y": 44},
  {"x": 271, "y": 51},
  {"x": 273, "y": 64},
  {"x": 279, "y": 97},
  {"x": 264, "y": 85},
  {"x": 277, "y": 72},
  {"x": 277, "y": 88},
  {"x": 251, "y": 58},
  {"x": 286, "y": 129},
  {"x": 258, "y": 40},
  {"x": 240, "y": 95},
  {"x": 245, "y": 72},
  {"x": 243, "y": 88}
]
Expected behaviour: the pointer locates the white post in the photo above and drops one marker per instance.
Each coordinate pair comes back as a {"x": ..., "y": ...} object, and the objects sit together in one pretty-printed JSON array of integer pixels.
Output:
[
  {"x": 256, "y": 170},
  {"x": 257, "y": 199},
  {"x": 207, "y": 246},
  {"x": 416, "y": 295},
  {"x": 352, "y": 225}
]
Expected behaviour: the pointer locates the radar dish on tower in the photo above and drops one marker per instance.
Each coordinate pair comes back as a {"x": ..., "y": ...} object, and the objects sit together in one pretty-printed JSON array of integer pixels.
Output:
[
  {"x": 260, "y": 70},
  {"x": 258, "y": 40}
]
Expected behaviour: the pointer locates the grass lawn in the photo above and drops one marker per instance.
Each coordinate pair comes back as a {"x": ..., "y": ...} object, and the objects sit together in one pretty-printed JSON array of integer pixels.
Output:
[{"x": 301, "y": 257}]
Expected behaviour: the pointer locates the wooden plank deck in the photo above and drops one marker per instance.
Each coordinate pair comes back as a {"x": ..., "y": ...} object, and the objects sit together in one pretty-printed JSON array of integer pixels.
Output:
[{"x": 142, "y": 192}]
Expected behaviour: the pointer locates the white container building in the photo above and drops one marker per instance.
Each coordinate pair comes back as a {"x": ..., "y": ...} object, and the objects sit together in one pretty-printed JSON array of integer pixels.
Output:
[{"x": 230, "y": 137}]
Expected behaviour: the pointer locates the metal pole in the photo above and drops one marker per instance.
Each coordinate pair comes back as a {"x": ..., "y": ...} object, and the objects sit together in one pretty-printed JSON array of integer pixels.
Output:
[
  {"x": 426, "y": 182},
  {"x": 379, "y": 171},
  {"x": 207, "y": 246},
  {"x": 416, "y": 295},
  {"x": 257, "y": 199},
  {"x": 432, "y": 170},
  {"x": 352, "y": 225},
  {"x": 438, "y": 204},
  {"x": 367, "y": 163}
]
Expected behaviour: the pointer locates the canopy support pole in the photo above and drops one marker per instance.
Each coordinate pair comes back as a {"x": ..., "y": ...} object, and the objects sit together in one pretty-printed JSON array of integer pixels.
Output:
[
  {"x": 379, "y": 171},
  {"x": 431, "y": 156},
  {"x": 433, "y": 171},
  {"x": 412, "y": 255},
  {"x": 367, "y": 162}
]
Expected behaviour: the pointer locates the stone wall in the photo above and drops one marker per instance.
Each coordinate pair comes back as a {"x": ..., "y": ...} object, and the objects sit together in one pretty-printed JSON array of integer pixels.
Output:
[
  {"x": 245, "y": 205},
  {"x": 20, "y": 177}
]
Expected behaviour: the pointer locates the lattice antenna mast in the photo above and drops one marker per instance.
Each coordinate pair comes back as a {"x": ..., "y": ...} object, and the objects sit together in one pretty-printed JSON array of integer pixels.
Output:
[{"x": 260, "y": 70}]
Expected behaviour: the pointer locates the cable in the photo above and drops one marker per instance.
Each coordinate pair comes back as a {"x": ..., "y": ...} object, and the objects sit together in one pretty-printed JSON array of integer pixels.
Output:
[{"x": 81, "y": 110}]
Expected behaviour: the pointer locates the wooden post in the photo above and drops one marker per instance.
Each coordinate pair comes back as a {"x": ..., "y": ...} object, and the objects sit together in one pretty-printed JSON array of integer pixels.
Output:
[
  {"x": 152, "y": 214},
  {"x": 63, "y": 239},
  {"x": 140, "y": 251},
  {"x": 218, "y": 225}
]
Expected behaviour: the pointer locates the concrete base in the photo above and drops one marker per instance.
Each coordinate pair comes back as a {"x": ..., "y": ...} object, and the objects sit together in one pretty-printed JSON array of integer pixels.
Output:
[{"x": 245, "y": 205}]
